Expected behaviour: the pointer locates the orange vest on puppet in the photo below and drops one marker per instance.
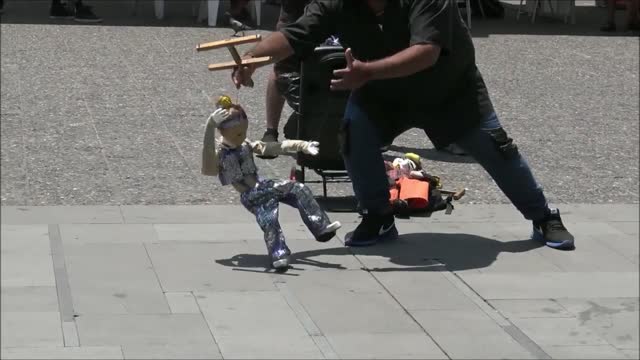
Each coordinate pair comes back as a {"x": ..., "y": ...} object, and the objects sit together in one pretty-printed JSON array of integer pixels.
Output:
[
  {"x": 413, "y": 190},
  {"x": 407, "y": 187}
]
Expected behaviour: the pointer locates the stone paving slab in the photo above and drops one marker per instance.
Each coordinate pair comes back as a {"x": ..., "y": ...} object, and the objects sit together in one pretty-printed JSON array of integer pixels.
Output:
[
  {"x": 63, "y": 353},
  {"x": 554, "y": 285},
  {"x": 31, "y": 329},
  {"x": 144, "y": 329},
  {"x": 100, "y": 286},
  {"x": 253, "y": 324},
  {"x": 470, "y": 334},
  {"x": 159, "y": 351}
]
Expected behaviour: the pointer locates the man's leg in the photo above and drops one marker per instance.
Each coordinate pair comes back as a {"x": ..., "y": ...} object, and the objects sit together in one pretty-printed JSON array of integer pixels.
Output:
[
  {"x": 499, "y": 156},
  {"x": 363, "y": 160},
  {"x": 275, "y": 104},
  {"x": 632, "y": 15},
  {"x": 611, "y": 16}
]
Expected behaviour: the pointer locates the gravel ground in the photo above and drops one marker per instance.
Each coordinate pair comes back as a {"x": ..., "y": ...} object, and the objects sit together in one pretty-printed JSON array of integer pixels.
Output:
[{"x": 110, "y": 115}]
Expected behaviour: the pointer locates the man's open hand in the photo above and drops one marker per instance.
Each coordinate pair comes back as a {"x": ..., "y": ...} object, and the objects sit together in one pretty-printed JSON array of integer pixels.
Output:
[{"x": 353, "y": 76}]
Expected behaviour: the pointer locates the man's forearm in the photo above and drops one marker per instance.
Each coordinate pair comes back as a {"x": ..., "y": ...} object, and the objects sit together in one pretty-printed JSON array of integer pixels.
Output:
[
  {"x": 404, "y": 63},
  {"x": 275, "y": 45}
]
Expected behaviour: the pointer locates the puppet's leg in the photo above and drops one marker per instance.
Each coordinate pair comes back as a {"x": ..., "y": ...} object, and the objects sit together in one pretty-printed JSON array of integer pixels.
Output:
[
  {"x": 300, "y": 197},
  {"x": 267, "y": 217}
]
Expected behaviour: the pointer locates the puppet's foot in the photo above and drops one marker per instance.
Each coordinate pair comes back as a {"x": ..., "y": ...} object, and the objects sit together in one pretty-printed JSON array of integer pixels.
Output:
[
  {"x": 329, "y": 232},
  {"x": 280, "y": 256}
]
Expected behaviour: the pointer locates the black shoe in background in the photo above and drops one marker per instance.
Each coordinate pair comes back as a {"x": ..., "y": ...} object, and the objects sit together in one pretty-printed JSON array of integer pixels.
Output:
[
  {"x": 60, "y": 11},
  {"x": 84, "y": 14}
]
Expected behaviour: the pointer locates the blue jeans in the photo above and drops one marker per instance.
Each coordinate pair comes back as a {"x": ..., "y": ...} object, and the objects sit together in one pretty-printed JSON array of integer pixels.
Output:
[{"x": 488, "y": 144}]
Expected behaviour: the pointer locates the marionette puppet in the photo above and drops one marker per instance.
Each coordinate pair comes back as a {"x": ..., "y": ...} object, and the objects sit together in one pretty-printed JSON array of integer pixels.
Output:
[
  {"x": 412, "y": 190},
  {"x": 231, "y": 159}
]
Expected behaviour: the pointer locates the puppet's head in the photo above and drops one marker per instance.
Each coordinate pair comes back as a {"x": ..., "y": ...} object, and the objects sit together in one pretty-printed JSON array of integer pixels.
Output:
[
  {"x": 233, "y": 128},
  {"x": 410, "y": 162}
]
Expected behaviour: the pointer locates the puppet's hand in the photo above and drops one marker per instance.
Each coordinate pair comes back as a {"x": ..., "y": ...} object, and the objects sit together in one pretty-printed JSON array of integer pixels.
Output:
[
  {"x": 311, "y": 148},
  {"x": 219, "y": 115}
]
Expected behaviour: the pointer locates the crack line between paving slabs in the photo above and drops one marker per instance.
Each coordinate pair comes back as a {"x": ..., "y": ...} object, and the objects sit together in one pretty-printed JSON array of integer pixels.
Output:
[
  {"x": 518, "y": 335},
  {"x": 406, "y": 311},
  {"x": 70, "y": 335},
  {"x": 305, "y": 319}
]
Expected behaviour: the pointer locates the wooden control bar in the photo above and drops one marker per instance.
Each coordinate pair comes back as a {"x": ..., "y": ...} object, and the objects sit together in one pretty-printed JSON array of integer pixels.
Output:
[{"x": 230, "y": 44}]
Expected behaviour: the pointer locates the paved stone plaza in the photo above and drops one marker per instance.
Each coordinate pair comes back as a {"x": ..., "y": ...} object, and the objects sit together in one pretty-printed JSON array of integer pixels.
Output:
[
  {"x": 190, "y": 282},
  {"x": 114, "y": 246}
]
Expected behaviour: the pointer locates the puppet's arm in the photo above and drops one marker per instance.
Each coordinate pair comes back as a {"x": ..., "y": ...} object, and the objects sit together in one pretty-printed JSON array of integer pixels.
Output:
[
  {"x": 287, "y": 146},
  {"x": 210, "y": 158}
]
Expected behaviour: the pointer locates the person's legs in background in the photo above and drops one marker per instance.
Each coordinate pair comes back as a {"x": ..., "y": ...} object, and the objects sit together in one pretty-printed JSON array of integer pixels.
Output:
[
  {"x": 80, "y": 12},
  {"x": 361, "y": 144},
  {"x": 611, "y": 17},
  {"x": 290, "y": 11},
  {"x": 632, "y": 21},
  {"x": 491, "y": 147},
  {"x": 274, "y": 103},
  {"x": 239, "y": 11}
]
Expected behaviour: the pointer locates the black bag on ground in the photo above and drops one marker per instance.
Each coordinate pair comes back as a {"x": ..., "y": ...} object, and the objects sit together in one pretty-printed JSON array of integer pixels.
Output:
[
  {"x": 321, "y": 109},
  {"x": 492, "y": 8}
]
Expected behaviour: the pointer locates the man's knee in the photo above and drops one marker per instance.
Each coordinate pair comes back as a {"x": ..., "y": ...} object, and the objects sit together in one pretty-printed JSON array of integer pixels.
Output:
[
  {"x": 343, "y": 137},
  {"x": 505, "y": 145}
]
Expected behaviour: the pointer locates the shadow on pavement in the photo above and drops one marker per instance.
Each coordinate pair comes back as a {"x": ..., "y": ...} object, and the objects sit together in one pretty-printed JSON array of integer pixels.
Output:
[
  {"x": 411, "y": 252},
  {"x": 430, "y": 154},
  {"x": 338, "y": 203}
]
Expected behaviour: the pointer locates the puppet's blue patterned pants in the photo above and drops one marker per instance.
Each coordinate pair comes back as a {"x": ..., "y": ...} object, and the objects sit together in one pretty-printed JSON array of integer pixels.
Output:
[{"x": 263, "y": 201}]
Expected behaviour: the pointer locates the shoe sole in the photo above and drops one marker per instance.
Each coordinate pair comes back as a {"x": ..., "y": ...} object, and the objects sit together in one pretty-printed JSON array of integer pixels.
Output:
[
  {"x": 87, "y": 21},
  {"x": 330, "y": 232},
  {"x": 60, "y": 17},
  {"x": 326, "y": 236},
  {"x": 569, "y": 244},
  {"x": 267, "y": 157},
  {"x": 281, "y": 263},
  {"x": 388, "y": 236}
]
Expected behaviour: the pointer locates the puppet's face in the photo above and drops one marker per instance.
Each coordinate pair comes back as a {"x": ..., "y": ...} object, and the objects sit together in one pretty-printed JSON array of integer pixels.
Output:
[
  {"x": 234, "y": 130},
  {"x": 404, "y": 165}
]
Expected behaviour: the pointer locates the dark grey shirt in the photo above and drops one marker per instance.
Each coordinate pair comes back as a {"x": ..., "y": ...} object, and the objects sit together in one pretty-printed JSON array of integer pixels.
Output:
[{"x": 446, "y": 100}]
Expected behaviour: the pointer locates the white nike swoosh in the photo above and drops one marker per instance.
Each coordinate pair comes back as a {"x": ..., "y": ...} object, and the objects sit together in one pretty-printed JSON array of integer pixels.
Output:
[{"x": 384, "y": 230}]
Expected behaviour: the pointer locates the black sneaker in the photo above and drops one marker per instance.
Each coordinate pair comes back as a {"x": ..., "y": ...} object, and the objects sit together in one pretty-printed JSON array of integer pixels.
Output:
[
  {"x": 552, "y": 232},
  {"x": 373, "y": 229},
  {"x": 60, "y": 11},
  {"x": 271, "y": 135},
  {"x": 84, "y": 14}
]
